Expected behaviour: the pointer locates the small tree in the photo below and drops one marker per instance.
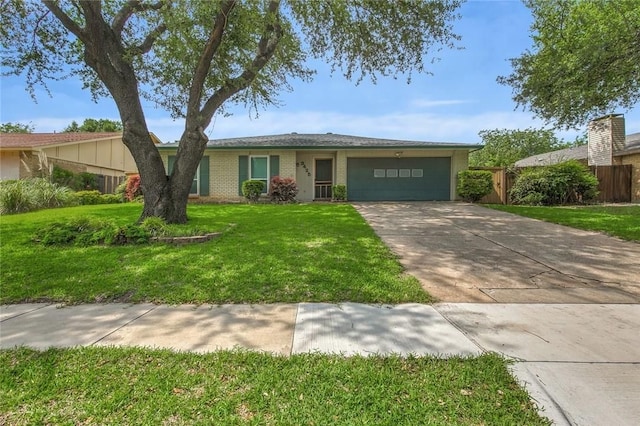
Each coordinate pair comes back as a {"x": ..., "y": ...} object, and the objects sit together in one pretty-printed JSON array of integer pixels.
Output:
[{"x": 474, "y": 184}]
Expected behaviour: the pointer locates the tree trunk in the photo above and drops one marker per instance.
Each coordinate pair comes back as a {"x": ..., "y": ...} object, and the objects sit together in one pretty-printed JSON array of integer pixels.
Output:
[{"x": 167, "y": 196}]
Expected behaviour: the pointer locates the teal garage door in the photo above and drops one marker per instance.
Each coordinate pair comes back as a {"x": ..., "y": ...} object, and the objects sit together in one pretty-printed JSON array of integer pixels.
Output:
[{"x": 399, "y": 179}]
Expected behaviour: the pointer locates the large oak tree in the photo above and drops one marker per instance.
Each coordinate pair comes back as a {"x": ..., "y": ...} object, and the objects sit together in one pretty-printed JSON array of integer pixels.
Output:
[
  {"x": 193, "y": 57},
  {"x": 585, "y": 60}
]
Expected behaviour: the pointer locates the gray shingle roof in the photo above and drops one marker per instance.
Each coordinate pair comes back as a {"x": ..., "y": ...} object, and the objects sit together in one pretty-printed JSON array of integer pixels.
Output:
[
  {"x": 324, "y": 141},
  {"x": 632, "y": 145},
  {"x": 576, "y": 153}
]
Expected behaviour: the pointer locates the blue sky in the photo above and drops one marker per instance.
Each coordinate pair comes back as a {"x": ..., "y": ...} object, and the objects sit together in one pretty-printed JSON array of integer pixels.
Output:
[{"x": 459, "y": 100}]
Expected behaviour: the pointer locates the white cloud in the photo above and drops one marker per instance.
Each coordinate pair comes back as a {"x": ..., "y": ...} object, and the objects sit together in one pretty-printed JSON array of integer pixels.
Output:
[{"x": 428, "y": 103}]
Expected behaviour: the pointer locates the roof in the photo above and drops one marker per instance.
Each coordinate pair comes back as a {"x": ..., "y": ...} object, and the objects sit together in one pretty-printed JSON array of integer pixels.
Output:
[
  {"x": 575, "y": 153},
  {"x": 324, "y": 141},
  {"x": 39, "y": 140},
  {"x": 631, "y": 145}
]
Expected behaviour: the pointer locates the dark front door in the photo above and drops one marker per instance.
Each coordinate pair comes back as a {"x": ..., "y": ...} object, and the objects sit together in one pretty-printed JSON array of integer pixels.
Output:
[{"x": 323, "y": 179}]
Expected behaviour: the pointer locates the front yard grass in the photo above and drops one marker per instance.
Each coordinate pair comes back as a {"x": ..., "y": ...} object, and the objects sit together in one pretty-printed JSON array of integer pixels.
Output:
[
  {"x": 77, "y": 386},
  {"x": 619, "y": 221},
  {"x": 273, "y": 253}
]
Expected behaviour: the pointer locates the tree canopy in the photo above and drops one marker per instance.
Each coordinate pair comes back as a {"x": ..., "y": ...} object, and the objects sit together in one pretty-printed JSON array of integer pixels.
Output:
[
  {"x": 92, "y": 125},
  {"x": 502, "y": 147},
  {"x": 16, "y": 128},
  {"x": 584, "y": 63},
  {"x": 194, "y": 57}
]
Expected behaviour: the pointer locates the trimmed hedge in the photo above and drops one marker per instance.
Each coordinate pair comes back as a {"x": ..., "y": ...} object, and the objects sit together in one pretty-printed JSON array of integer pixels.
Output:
[
  {"x": 474, "y": 184},
  {"x": 251, "y": 189}
]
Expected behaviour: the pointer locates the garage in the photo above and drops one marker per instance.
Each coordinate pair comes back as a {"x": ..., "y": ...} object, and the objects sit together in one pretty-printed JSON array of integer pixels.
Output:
[{"x": 399, "y": 179}]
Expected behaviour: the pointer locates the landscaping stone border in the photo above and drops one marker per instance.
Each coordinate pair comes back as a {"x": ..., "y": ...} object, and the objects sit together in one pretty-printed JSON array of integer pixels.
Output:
[{"x": 187, "y": 240}]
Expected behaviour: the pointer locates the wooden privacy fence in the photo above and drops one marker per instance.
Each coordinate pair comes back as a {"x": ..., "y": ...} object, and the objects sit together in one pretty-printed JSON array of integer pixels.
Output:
[{"x": 614, "y": 183}]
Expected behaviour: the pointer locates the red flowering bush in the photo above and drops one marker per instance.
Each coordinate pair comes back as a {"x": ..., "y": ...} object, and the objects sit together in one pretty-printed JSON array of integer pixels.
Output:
[
  {"x": 132, "y": 189},
  {"x": 283, "y": 190}
]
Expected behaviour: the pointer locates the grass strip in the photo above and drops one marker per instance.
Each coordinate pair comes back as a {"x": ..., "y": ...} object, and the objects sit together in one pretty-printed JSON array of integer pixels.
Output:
[
  {"x": 618, "y": 221},
  {"x": 142, "y": 386}
]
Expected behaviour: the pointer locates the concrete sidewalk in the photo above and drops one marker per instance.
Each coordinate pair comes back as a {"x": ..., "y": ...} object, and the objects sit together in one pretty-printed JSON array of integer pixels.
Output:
[{"x": 580, "y": 363}]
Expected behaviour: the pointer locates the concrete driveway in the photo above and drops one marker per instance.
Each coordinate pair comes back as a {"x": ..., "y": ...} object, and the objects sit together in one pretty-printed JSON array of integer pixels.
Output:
[{"x": 466, "y": 253}]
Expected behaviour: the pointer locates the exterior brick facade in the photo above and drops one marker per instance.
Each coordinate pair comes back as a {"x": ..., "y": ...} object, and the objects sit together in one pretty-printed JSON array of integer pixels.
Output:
[{"x": 634, "y": 160}]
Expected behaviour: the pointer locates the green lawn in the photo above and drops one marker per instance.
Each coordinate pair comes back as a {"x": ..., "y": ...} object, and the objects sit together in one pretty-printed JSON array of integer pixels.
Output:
[
  {"x": 618, "y": 221},
  {"x": 274, "y": 253},
  {"x": 77, "y": 386}
]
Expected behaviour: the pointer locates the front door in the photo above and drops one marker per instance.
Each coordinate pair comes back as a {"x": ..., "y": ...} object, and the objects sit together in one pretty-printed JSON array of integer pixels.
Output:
[{"x": 323, "y": 179}]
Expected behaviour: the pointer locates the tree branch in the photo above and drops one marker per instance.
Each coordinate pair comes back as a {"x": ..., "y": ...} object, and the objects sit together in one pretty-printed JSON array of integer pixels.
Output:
[
  {"x": 128, "y": 9},
  {"x": 204, "y": 64},
  {"x": 68, "y": 23},
  {"x": 266, "y": 49},
  {"x": 151, "y": 38}
]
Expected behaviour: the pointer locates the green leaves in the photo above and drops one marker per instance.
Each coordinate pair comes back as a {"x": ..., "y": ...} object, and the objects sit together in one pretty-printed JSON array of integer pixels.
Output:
[
  {"x": 584, "y": 62},
  {"x": 502, "y": 148}
]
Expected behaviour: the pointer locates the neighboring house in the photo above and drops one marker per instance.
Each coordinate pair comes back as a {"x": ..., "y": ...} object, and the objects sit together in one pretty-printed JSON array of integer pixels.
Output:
[
  {"x": 607, "y": 146},
  {"x": 24, "y": 155},
  {"x": 372, "y": 169},
  {"x": 579, "y": 153}
]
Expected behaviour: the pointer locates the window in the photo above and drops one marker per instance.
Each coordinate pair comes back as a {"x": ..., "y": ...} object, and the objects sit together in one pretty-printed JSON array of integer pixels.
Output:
[
  {"x": 195, "y": 185},
  {"x": 259, "y": 170}
]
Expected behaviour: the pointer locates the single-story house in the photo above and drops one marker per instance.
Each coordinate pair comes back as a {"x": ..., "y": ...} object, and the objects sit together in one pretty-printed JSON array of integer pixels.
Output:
[
  {"x": 607, "y": 146},
  {"x": 578, "y": 153},
  {"x": 24, "y": 155},
  {"x": 372, "y": 169}
]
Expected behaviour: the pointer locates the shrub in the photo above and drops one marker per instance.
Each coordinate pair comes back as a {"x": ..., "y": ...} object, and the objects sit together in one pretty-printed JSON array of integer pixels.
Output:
[
  {"x": 89, "y": 197},
  {"x": 251, "y": 189},
  {"x": 76, "y": 181},
  {"x": 15, "y": 197},
  {"x": 86, "y": 232},
  {"x": 339, "y": 192},
  {"x": 111, "y": 198},
  {"x": 132, "y": 188},
  {"x": 283, "y": 190},
  {"x": 86, "y": 181},
  {"x": 86, "y": 198},
  {"x": 19, "y": 196},
  {"x": 62, "y": 176},
  {"x": 569, "y": 182},
  {"x": 474, "y": 184},
  {"x": 155, "y": 226}
]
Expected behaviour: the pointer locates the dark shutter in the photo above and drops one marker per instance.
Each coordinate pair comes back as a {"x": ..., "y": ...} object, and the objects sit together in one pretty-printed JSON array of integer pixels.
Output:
[
  {"x": 204, "y": 175},
  {"x": 274, "y": 166},
  {"x": 170, "y": 161},
  {"x": 243, "y": 171}
]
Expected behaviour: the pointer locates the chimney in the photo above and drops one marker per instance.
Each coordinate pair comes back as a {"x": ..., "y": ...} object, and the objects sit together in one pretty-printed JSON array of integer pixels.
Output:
[{"x": 606, "y": 136}]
